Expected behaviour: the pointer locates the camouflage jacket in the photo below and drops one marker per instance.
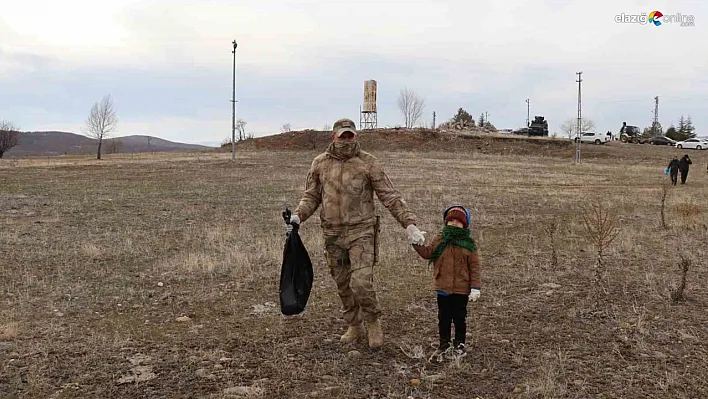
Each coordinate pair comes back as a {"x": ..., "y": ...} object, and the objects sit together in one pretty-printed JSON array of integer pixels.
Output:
[{"x": 345, "y": 188}]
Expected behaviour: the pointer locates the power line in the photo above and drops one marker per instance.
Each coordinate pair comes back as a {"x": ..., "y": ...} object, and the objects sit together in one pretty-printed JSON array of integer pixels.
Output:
[{"x": 639, "y": 100}]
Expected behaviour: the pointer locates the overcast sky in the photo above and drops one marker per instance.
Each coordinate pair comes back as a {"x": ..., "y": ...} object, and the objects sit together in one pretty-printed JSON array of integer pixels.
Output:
[{"x": 168, "y": 63}]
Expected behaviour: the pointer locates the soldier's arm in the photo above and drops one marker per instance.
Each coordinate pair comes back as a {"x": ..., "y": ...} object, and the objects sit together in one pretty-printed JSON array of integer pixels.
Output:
[
  {"x": 389, "y": 196},
  {"x": 426, "y": 251},
  {"x": 312, "y": 197}
]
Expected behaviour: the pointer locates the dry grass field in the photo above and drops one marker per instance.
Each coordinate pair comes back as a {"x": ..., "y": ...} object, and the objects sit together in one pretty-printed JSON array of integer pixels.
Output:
[{"x": 100, "y": 262}]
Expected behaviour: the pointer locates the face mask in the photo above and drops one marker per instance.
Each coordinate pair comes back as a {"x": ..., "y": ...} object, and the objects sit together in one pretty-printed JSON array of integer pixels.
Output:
[
  {"x": 344, "y": 145},
  {"x": 345, "y": 148}
]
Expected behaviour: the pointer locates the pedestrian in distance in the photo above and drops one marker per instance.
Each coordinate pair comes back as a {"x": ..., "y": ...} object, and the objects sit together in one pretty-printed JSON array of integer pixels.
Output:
[
  {"x": 456, "y": 275},
  {"x": 343, "y": 180},
  {"x": 673, "y": 170},
  {"x": 683, "y": 167}
]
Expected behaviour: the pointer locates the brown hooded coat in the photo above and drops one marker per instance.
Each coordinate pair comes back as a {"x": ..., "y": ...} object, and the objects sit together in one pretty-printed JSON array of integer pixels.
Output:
[{"x": 456, "y": 270}]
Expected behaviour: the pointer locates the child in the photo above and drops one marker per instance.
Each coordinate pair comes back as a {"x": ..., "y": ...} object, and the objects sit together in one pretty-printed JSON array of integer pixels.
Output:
[{"x": 456, "y": 274}]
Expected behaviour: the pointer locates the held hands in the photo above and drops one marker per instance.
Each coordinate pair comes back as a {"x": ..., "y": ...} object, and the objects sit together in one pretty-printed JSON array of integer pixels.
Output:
[
  {"x": 415, "y": 236},
  {"x": 474, "y": 294}
]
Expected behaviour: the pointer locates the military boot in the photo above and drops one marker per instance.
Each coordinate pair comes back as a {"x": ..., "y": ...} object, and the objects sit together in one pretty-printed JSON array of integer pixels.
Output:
[
  {"x": 375, "y": 334},
  {"x": 353, "y": 332}
]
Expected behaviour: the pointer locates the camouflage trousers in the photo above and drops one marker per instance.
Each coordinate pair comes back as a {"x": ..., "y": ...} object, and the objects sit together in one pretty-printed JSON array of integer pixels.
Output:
[{"x": 351, "y": 262}]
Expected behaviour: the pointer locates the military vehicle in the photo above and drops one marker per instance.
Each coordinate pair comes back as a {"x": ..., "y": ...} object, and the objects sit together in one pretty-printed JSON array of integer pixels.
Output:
[
  {"x": 630, "y": 134},
  {"x": 538, "y": 127}
]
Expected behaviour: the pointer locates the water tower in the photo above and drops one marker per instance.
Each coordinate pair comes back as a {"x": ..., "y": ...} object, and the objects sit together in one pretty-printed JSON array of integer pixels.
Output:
[{"x": 369, "y": 116}]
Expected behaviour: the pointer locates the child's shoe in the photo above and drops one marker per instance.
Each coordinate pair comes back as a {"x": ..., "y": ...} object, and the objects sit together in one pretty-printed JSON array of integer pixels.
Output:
[
  {"x": 459, "y": 350},
  {"x": 440, "y": 353}
]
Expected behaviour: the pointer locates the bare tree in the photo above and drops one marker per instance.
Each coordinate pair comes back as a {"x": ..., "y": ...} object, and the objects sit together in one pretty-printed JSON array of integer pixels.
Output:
[
  {"x": 149, "y": 139},
  {"x": 241, "y": 129},
  {"x": 411, "y": 106},
  {"x": 602, "y": 227},
  {"x": 101, "y": 121},
  {"x": 9, "y": 136},
  {"x": 570, "y": 127},
  {"x": 285, "y": 128},
  {"x": 326, "y": 127}
]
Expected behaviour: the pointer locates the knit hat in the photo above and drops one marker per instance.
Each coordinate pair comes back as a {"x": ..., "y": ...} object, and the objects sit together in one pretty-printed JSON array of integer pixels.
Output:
[{"x": 457, "y": 213}]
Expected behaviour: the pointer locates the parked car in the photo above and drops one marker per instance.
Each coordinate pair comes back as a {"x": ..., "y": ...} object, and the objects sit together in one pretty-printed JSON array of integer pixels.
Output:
[
  {"x": 697, "y": 144},
  {"x": 592, "y": 137},
  {"x": 660, "y": 140}
]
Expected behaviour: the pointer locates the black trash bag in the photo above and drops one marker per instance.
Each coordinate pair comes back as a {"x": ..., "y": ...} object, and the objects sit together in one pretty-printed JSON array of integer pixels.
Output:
[{"x": 296, "y": 274}]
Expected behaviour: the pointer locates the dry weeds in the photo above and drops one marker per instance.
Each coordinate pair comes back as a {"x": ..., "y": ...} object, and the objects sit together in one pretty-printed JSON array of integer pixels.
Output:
[
  {"x": 678, "y": 294},
  {"x": 664, "y": 192},
  {"x": 99, "y": 259},
  {"x": 9, "y": 331},
  {"x": 551, "y": 230}
]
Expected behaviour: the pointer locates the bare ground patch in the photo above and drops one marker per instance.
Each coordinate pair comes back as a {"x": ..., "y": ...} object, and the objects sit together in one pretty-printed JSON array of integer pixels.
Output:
[{"x": 99, "y": 261}]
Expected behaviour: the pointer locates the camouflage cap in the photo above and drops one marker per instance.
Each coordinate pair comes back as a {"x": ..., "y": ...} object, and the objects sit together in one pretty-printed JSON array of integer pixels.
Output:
[{"x": 344, "y": 125}]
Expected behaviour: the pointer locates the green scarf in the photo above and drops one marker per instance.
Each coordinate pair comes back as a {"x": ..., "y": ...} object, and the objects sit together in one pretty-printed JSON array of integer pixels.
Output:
[{"x": 455, "y": 236}]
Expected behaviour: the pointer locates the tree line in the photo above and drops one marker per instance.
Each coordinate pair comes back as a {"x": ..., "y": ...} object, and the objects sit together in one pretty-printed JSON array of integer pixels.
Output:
[
  {"x": 684, "y": 131},
  {"x": 411, "y": 105}
]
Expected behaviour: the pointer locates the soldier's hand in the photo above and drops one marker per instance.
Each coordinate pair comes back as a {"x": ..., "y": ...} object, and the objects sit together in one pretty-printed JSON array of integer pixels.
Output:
[{"x": 294, "y": 219}]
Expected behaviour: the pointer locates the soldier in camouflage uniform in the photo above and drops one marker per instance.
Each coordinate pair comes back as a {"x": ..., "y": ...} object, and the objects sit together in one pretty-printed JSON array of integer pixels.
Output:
[{"x": 343, "y": 180}]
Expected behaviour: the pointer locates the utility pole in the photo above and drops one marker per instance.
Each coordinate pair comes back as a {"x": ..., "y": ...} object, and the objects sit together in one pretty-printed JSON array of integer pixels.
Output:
[
  {"x": 486, "y": 118},
  {"x": 580, "y": 120},
  {"x": 233, "y": 107},
  {"x": 433, "y": 120},
  {"x": 528, "y": 112},
  {"x": 656, "y": 117}
]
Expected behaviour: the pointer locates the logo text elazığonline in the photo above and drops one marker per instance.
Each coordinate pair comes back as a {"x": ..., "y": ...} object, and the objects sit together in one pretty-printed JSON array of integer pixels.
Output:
[{"x": 682, "y": 19}]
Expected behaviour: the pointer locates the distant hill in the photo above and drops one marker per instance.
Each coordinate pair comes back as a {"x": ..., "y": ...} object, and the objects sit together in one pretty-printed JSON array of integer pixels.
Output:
[{"x": 63, "y": 143}]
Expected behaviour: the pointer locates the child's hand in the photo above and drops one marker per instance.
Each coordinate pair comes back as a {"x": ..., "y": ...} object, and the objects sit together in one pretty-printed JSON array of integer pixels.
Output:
[
  {"x": 415, "y": 236},
  {"x": 474, "y": 294}
]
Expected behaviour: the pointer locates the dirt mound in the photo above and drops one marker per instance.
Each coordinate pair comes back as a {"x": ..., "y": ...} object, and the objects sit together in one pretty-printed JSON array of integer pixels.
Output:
[
  {"x": 417, "y": 140},
  {"x": 466, "y": 141}
]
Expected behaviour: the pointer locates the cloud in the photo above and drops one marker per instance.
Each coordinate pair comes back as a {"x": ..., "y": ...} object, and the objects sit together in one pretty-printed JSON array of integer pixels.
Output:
[{"x": 168, "y": 63}]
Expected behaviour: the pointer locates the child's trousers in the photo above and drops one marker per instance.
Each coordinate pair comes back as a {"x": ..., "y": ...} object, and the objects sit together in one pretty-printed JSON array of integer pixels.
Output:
[{"x": 452, "y": 308}]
